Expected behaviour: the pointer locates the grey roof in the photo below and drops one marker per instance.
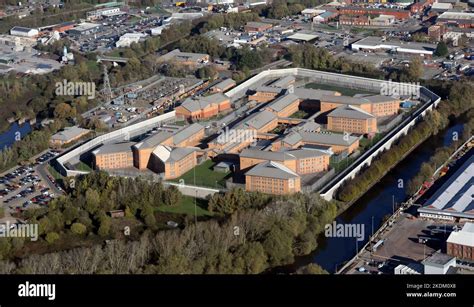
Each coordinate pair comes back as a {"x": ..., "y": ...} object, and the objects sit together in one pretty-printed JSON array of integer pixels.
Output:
[
  {"x": 344, "y": 99},
  {"x": 292, "y": 138},
  {"x": 69, "y": 133},
  {"x": 215, "y": 98},
  {"x": 186, "y": 132},
  {"x": 310, "y": 126},
  {"x": 379, "y": 98},
  {"x": 257, "y": 120},
  {"x": 179, "y": 153},
  {"x": 266, "y": 155},
  {"x": 350, "y": 112},
  {"x": 438, "y": 258},
  {"x": 329, "y": 138},
  {"x": 313, "y": 94},
  {"x": 455, "y": 196},
  {"x": 269, "y": 89},
  {"x": 169, "y": 154},
  {"x": 176, "y": 54},
  {"x": 196, "y": 104},
  {"x": 154, "y": 140},
  {"x": 225, "y": 84},
  {"x": 373, "y": 41},
  {"x": 464, "y": 236},
  {"x": 272, "y": 170},
  {"x": 283, "y": 82},
  {"x": 282, "y": 102},
  {"x": 21, "y": 29},
  {"x": 306, "y": 153},
  {"x": 114, "y": 148},
  {"x": 287, "y": 155}
]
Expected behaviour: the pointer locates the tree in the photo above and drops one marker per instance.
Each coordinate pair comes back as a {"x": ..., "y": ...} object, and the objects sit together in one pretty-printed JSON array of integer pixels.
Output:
[
  {"x": 78, "y": 229},
  {"x": 441, "y": 49},
  {"x": 52, "y": 237},
  {"x": 278, "y": 246},
  {"x": 414, "y": 71},
  {"x": 311, "y": 269},
  {"x": 105, "y": 225}
]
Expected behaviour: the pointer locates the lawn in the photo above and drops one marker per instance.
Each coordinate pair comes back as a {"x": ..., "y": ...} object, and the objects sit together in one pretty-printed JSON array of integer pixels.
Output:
[
  {"x": 344, "y": 91},
  {"x": 54, "y": 173},
  {"x": 186, "y": 206},
  {"x": 205, "y": 176},
  {"x": 299, "y": 114},
  {"x": 81, "y": 166}
]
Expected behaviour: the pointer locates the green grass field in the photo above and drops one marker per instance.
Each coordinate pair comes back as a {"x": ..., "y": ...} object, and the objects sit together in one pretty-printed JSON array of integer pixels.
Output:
[
  {"x": 205, "y": 176},
  {"x": 186, "y": 206},
  {"x": 344, "y": 91},
  {"x": 54, "y": 173},
  {"x": 299, "y": 114},
  {"x": 81, "y": 166}
]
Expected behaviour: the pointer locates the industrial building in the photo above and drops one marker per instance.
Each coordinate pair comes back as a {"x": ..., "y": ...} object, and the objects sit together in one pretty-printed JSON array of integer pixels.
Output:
[
  {"x": 453, "y": 200},
  {"x": 68, "y": 135},
  {"x": 24, "y": 32},
  {"x": 185, "y": 58},
  {"x": 255, "y": 27},
  {"x": 457, "y": 19},
  {"x": 460, "y": 244},
  {"x": 373, "y": 44},
  {"x": 85, "y": 28},
  {"x": 438, "y": 264}
]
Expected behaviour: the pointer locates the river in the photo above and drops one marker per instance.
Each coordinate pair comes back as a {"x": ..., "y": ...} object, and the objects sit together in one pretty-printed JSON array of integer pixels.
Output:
[
  {"x": 333, "y": 252},
  {"x": 9, "y": 137}
]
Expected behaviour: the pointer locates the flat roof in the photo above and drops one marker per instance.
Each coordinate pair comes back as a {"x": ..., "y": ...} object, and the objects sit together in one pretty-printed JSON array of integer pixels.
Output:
[
  {"x": 329, "y": 138},
  {"x": 303, "y": 37},
  {"x": 463, "y": 237},
  {"x": 457, "y": 16},
  {"x": 376, "y": 42},
  {"x": 438, "y": 258},
  {"x": 258, "y": 120},
  {"x": 187, "y": 132},
  {"x": 114, "y": 148},
  {"x": 69, "y": 133},
  {"x": 22, "y": 29},
  {"x": 456, "y": 196},
  {"x": 225, "y": 84},
  {"x": 282, "y": 102}
]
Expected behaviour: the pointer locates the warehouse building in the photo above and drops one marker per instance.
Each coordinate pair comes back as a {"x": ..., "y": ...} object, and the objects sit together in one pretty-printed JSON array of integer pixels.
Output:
[
  {"x": 373, "y": 44},
  {"x": 460, "y": 244},
  {"x": 457, "y": 19},
  {"x": 453, "y": 200},
  {"x": 24, "y": 32},
  {"x": 68, "y": 135}
]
